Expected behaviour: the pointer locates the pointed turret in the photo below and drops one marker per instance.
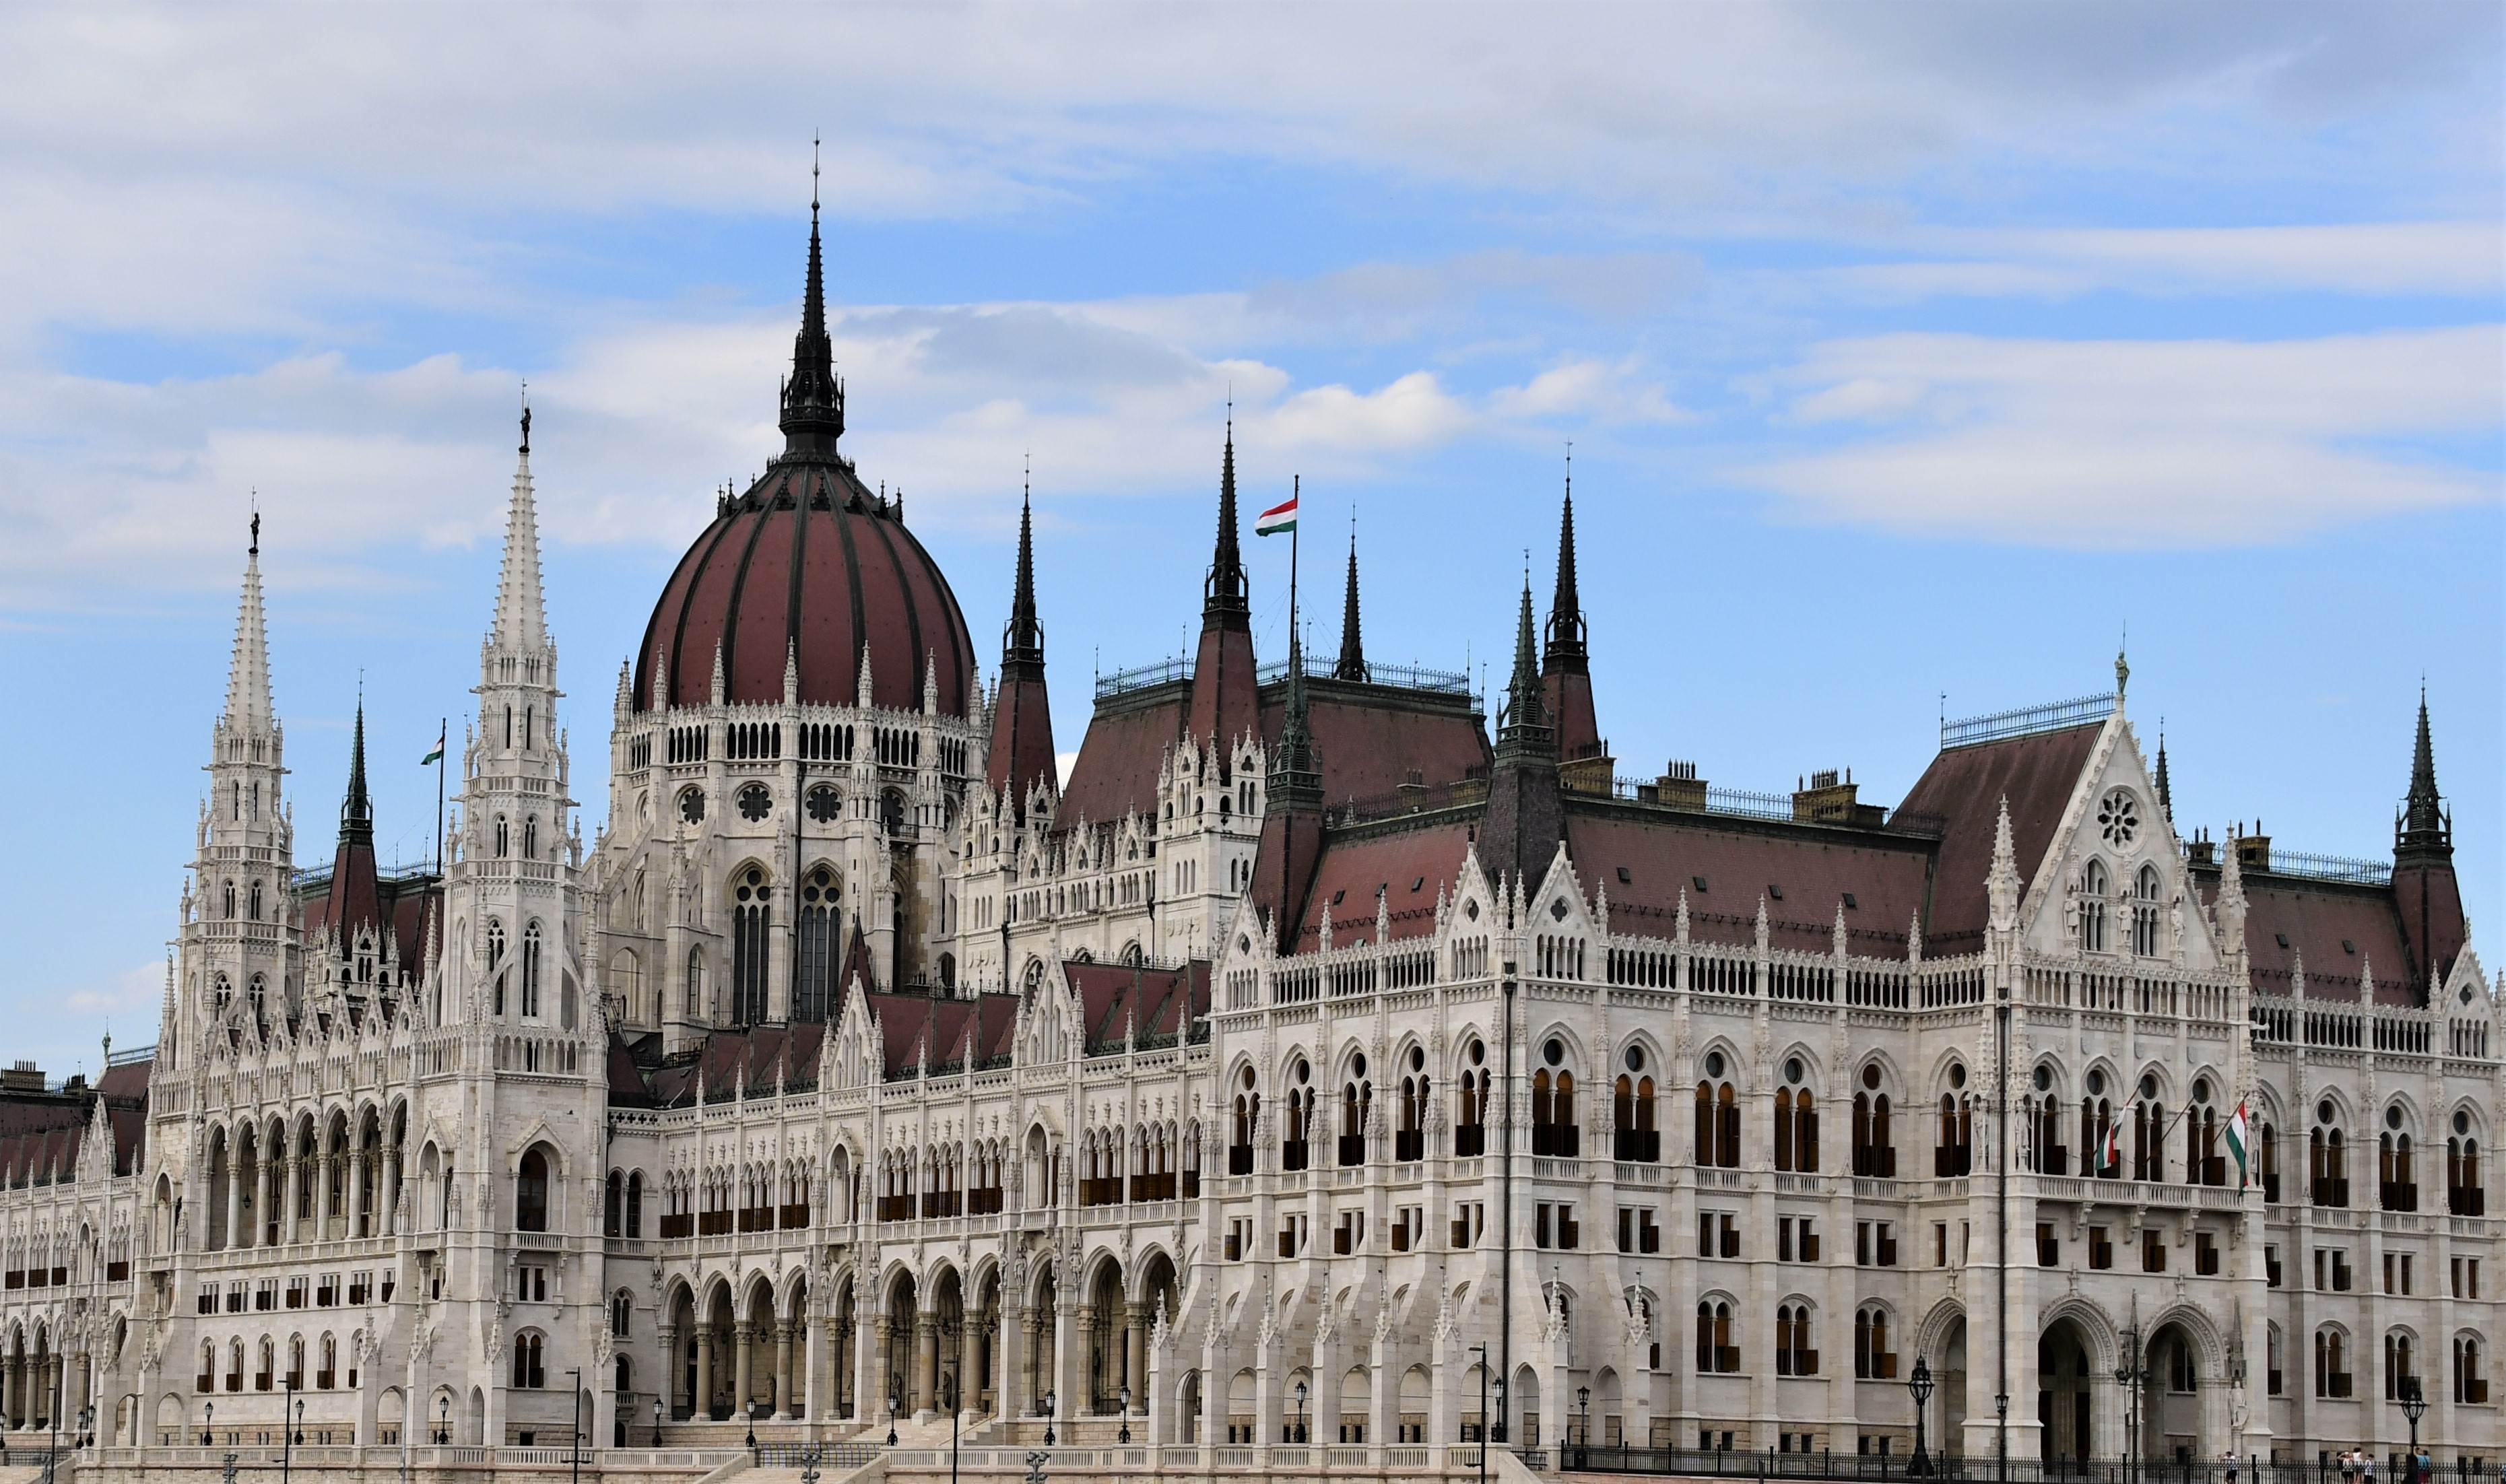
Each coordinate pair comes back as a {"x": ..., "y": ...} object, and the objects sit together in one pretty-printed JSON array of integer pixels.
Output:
[
  {"x": 1224, "y": 706},
  {"x": 1021, "y": 743},
  {"x": 813, "y": 398},
  {"x": 521, "y": 612},
  {"x": 1525, "y": 820},
  {"x": 1565, "y": 666},
  {"x": 1290, "y": 851},
  {"x": 355, "y": 899},
  {"x": 2424, "y": 886},
  {"x": 2001, "y": 883},
  {"x": 1353, "y": 644},
  {"x": 357, "y": 810},
  {"x": 248, "y": 705},
  {"x": 2166, "y": 791}
]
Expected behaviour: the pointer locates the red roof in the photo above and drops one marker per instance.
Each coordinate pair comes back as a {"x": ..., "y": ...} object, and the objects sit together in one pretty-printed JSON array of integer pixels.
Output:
[
  {"x": 1663, "y": 853},
  {"x": 1115, "y": 773},
  {"x": 1963, "y": 791},
  {"x": 1118, "y": 999},
  {"x": 810, "y": 558},
  {"x": 2338, "y": 928},
  {"x": 1409, "y": 866},
  {"x": 1372, "y": 737}
]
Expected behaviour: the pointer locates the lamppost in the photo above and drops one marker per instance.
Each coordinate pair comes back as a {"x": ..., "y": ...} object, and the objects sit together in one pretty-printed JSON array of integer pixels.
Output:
[
  {"x": 87, "y": 1425},
  {"x": 574, "y": 1428},
  {"x": 1584, "y": 1412},
  {"x": 657, "y": 1422},
  {"x": 1124, "y": 1437},
  {"x": 52, "y": 1405},
  {"x": 1920, "y": 1384},
  {"x": 1050, "y": 1411},
  {"x": 2413, "y": 1407},
  {"x": 208, "y": 1419},
  {"x": 1303, "y": 1437},
  {"x": 444, "y": 1420},
  {"x": 895, "y": 1404},
  {"x": 2001, "y": 1431},
  {"x": 2134, "y": 1374},
  {"x": 954, "y": 1417},
  {"x": 295, "y": 1408}
]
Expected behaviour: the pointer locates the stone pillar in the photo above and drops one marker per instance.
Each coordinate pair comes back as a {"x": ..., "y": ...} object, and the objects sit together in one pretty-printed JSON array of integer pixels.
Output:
[
  {"x": 782, "y": 1373},
  {"x": 390, "y": 1195},
  {"x": 356, "y": 1193},
  {"x": 288, "y": 1230},
  {"x": 1068, "y": 1373},
  {"x": 926, "y": 1364},
  {"x": 1136, "y": 1356},
  {"x": 234, "y": 1199},
  {"x": 322, "y": 1197},
  {"x": 701, "y": 1405},
  {"x": 744, "y": 1336},
  {"x": 668, "y": 1386}
]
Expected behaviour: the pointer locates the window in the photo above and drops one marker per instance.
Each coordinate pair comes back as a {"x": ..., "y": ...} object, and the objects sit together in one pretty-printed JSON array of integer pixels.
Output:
[
  {"x": 1797, "y": 1239},
  {"x": 1873, "y": 1153},
  {"x": 531, "y": 970},
  {"x": 1954, "y": 1154},
  {"x": 2332, "y": 1269},
  {"x": 329, "y": 1375},
  {"x": 2152, "y": 1251},
  {"x": 1553, "y": 1109},
  {"x": 813, "y": 992},
  {"x": 1715, "y": 1352},
  {"x": 1718, "y": 1117},
  {"x": 1718, "y": 1234},
  {"x": 2271, "y": 1265},
  {"x": 2397, "y": 1274},
  {"x": 2144, "y": 913},
  {"x": 2181, "y": 1374},
  {"x": 531, "y": 1192},
  {"x": 1470, "y": 1221},
  {"x": 2466, "y": 1278},
  {"x": 622, "y": 1313},
  {"x": 1566, "y": 1232},
  {"x": 1239, "y": 1238},
  {"x": 2327, "y": 1159},
  {"x": 530, "y": 1284},
  {"x": 2090, "y": 908},
  {"x": 2049, "y": 1247},
  {"x": 529, "y": 1368},
  {"x": 1292, "y": 1145},
  {"x": 1637, "y": 1232},
  {"x": 2205, "y": 1254},
  {"x": 1357, "y": 1097},
  {"x": 1875, "y": 1244},
  {"x": 635, "y": 1202},
  {"x": 1873, "y": 1360},
  {"x": 1796, "y": 1125},
  {"x": 751, "y": 912},
  {"x": 2463, "y": 1195},
  {"x": 2399, "y": 1373},
  {"x": 1248, "y": 1114},
  {"x": 1794, "y": 1355},
  {"x": 2470, "y": 1383},
  {"x": 1409, "y": 1140},
  {"x": 1635, "y": 1139},
  {"x": 496, "y": 962}
]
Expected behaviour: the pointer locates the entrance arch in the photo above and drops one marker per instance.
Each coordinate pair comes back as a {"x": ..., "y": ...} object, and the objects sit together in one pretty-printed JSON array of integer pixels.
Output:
[{"x": 2063, "y": 1406}]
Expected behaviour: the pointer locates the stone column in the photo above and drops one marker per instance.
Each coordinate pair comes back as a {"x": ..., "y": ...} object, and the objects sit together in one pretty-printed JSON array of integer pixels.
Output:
[
  {"x": 288, "y": 1230},
  {"x": 1136, "y": 1356},
  {"x": 322, "y": 1197},
  {"x": 668, "y": 1386},
  {"x": 82, "y": 1394},
  {"x": 390, "y": 1195},
  {"x": 782, "y": 1373},
  {"x": 234, "y": 1199},
  {"x": 743, "y": 1340},
  {"x": 356, "y": 1193},
  {"x": 701, "y": 1406},
  {"x": 926, "y": 1364}
]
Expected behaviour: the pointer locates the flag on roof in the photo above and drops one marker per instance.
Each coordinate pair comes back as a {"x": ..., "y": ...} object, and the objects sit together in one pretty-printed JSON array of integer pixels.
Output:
[
  {"x": 1278, "y": 519},
  {"x": 436, "y": 756}
]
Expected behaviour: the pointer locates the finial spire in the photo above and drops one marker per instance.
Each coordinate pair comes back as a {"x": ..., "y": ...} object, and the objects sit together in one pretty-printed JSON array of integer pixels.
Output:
[
  {"x": 357, "y": 813},
  {"x": 2424, "y": 828},
  {"x": 1526, "y": 726},
  {"x": 1025, "y": 639},
  {"x": 526, "y": 417},
  {"x": 814, "y": 399},
  {"x": 1567, "y": 609},
  {"x": 521, "y": 610},
  {"x": 248, "y": 702},
  {"x": 1225, "y": 590},
  {"x": 2166, "y": 793},
  {"x": 1352, "y": 643}
]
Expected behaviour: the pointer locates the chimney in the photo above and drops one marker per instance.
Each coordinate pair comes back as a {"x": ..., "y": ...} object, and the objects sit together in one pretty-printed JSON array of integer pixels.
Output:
[
  {"x": 1828, "y": 801},
  {"x": 26, "y": 1076},
  {"x": 2253, "y": 851},
  {"x": 1678, "y": 788}
]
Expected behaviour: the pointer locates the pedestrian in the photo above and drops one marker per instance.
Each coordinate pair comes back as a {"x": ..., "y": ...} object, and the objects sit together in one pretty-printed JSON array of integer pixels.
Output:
[
  {"x": 2348, "y": 1466},
  {"x": 2366, "y": 1466},
  {"x": 2229, "y": 1458}
]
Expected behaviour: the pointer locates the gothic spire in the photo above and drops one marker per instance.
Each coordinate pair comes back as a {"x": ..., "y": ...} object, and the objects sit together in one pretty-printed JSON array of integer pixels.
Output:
[
  {"x": 1352, "y": 646},
  {"x": 357, "y": 814},
  {"x": 1567, "y": 609},
  {"x": 248, "y": 673},
  {"x": 2166, "y": 793},
  {"x": 521, "y": 612},
  {"x": 1025, "y": 639},
  {"x": 2423, "y": 827},
  {"x": 814, "y": 399},
  {"x": 1524, "y": 726},
  {"x": 1225, "y": 593}
]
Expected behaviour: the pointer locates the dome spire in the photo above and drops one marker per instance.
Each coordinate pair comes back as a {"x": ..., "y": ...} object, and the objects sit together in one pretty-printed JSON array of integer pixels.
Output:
[
  {"x": 357, "y": 814},
  {"x": 248, "y": 676},
  {"x": 1226, "y": 591},
  {"x": 521, "y": 611},
  {"x": 813, "y": 398},
  {"x": 1352, "y": 643}
]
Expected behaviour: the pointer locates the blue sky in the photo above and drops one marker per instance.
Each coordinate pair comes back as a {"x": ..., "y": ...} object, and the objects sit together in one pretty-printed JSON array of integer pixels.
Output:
[{"x": 1905, "y": 351}]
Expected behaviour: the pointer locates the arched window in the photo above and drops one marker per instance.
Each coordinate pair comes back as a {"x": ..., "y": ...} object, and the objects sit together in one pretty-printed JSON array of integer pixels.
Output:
[
  {"x": 2045, "y": 1130},
  {"x": 1875, "y": 1151},
  {"x": 2470, "y": 1382},
  {"x": 230, "y": 901},
  {"x": 207, "y": 1380},
  {"x": 1873, "y": 1360},
  {"x": 504, "y": 839},
  {"x": 267, "y": 1375},
  {"x": 531, "y": 971},
  {"x": 695, "y": 983},
  {"x": 813, "y": 993},
  {"x": 751, "y": 910},
  {"x": 329, "y": 1375},
  {"x": 2093, "y": 908},
  {"x": 635, "y": 1202},
  {"x": 1718, "y": 1117},
  {"x": 2397, "y": 1186},
  {"x": 1955, "y": 1153},
  {"x": 1293, "y": 1146},
  {"x": 612, "y": 1210},
  {"x": 256, "y": 901},
  {"x": 531, "y": 1192},
  {"x": 1794, "y": 1355},
  {"x": 2400, "y": 1374},
  {"x": 1715, "y": 1352},
  {"x": 1636, "y": 1139},
  {"x": 529, "y": 1364},
  {"x": 1796, "y": 1121},
  {"x": 2327, "y": 1158},
  {"x": 496, "y": 963},
  {"x": 1248, "y": 1116},
  {"x": 1409, "y": 1140},
  {"x": 2144, "y": 913},
  {"x": 1357, "y": 1099},
  {"x": 621, "y": 1312},
  {"x": 2463, "y": 1193},
  {"x": 1553, "y": 1110},
  {"x": 531, "y": 838},
  {"x": 1470, "y": 1104},
  {"x": 296, "y": 1363},
  {"x": 2267, "y": 1163},
  {"x": 2331, "y": 1363}
]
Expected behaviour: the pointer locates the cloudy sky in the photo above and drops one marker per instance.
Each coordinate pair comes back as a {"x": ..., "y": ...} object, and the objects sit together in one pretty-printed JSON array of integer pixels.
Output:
[{"x": 1910, "y": 355}]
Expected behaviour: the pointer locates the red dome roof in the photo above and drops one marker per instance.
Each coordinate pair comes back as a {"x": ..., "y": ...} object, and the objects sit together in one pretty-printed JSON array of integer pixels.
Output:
[{"x": 807, "y": 560}]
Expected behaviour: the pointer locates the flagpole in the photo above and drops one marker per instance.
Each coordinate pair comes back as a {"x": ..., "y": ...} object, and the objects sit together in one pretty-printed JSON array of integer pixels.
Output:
[
  {"x": 442, "y": 734},
  {"x": 1296, "y": 497}
]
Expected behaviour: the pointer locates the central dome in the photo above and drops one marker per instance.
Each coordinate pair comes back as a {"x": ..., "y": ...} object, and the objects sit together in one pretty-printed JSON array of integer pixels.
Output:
[{"x": 808, "y": 567}]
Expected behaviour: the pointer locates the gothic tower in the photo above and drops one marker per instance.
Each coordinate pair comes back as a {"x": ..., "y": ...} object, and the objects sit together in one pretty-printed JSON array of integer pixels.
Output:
[
  {"x": 1223, "y": 704},
  {"x": 1021, "y": 743}
]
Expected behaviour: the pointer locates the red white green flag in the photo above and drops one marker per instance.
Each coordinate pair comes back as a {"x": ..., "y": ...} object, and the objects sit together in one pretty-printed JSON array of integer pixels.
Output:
[
  {"x": 1278, "y": 521},
  {"x": 2237, "y": 1141}
]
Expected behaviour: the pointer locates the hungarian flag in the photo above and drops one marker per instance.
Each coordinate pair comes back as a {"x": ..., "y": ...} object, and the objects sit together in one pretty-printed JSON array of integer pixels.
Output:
[
  {"x": 436, "y": 756},
  {"x": 1278, "y": 521},
  {"x": 2111, "y": 1158},
  {"x": 2237, "y": 1141}
]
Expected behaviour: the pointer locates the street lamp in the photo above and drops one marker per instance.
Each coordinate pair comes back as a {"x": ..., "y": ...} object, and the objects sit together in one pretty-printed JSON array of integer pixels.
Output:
[
  {"x": 294, "y": 1405},
  {"x": 208, "y": 1419},
  {"x": 1050, "y": 1408},
  {"x": 574, "y": 1428},
  {"x": 1126, "y": 1436},
  {"x": 1302, "y": 1435},
  {"x": 2134, "y": 1374},
  {"x": 895, "y": 1404},
  {"x": 1583, "y": 1411},
  {"x": 2413, "y": 1407},
  {"x": 955, "y": 1417},
  {"x": 87, "y": 1425},
  {"x": 444, "y": 1420},
  {"x": 656, "y": 1421},
  {"x": 1920, "y": 1384},
  {"x": 1481, "y": 1352}
]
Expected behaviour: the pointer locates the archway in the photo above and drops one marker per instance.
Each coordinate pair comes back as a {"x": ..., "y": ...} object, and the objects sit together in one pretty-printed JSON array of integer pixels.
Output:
[
  {"x": 2171, "y": 1426},
  {"x": 2062, "y": 1396}
]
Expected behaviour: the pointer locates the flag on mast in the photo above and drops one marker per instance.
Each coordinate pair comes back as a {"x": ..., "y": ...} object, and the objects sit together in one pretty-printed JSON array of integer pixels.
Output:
[
  {"x": 1278, "y": 521},
  {"x": 2111, "y": 1158},
  {"x": 2237, "y": 1141},
  {"x": 436, "y": 756}
]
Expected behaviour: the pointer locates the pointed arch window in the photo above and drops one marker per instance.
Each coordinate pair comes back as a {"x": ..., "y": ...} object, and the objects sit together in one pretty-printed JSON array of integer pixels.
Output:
[
  {"x": 1715, "y": 1352},
  {"x": 2327, "y": 1157},
  {"x": 751, "y": 911},
  {"x": 695, "y": 983},
  {"x": 1552, "y": 1114},
  {"x": 496, "y": 962},
  {"x": 1794, "y": 1355},
  {"x": 256, "y": 901},
  {"x": 2463, "y": 1193},
  {"x": 1873, "y": 1360},
  {"x": 1293, "y": 1146},
  {"x": 504, "y": 838},
  {"x": 1409, "y": 1140},
  {"x": 529, "y": 1362},
  {"x": 2093, "y": 907},
  {"x": 531, "y": 838},
  {"x": 531, "y": 971},
  {"x": 2397, "y": 1186},
  {"x": 1248, "y": 1114},
  {"x": 2144, "y": 913},
  {"x": 1796, "y": 1121},
  {"x": 1875, "y": 1151},
  {"x": 814, "y": 993},
  {"x": 1954, "y": 1154},
  {"x": 1356, "y": 1103},
  {"x": 230, "y": 901},
  {"x": 1718, "y": 1117},
  {"x": 531, "y": 1192},
  {"x": 1636, "y": 1136},
  {"x": 2470, "y": 1382},
  {"x": 2400, "y": 1374},
  {"x": 1470, "y": 1109}
]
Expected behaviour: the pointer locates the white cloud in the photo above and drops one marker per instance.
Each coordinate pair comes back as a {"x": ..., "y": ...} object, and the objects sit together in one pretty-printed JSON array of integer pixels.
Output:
[
  {"x": 2133, "y": 444},
  {"x": 1605, "y": 392}
]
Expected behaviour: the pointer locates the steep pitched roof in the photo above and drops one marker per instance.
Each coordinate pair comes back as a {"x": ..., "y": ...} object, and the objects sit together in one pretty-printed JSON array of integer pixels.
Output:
[
  {"x": 1664, "y": 854},
  {"x": 1408, "y": 862},
  {"x": 1961, "y": 791}
]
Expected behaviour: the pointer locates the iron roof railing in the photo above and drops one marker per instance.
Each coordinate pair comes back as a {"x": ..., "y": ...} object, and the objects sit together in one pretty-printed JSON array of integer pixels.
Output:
[{"x": 2027, "y": 721}]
